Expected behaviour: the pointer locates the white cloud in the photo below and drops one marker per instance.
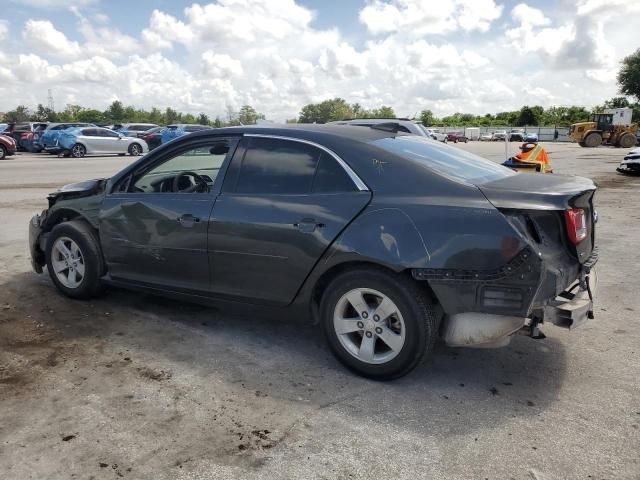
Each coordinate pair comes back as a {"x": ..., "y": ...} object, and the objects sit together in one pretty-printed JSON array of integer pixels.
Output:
[
  {"x": 269, "y": 53},
  {"x": 423, "y": 17},
  {"x": 4, "y": 29},
  {"x": 42, "y": 36}
]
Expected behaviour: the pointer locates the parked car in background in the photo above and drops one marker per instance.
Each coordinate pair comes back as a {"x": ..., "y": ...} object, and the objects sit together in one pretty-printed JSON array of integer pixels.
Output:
[
  {"x": 176, "y": 130},
  {"x": 3, "y": 127},
  {"x": 7, "y": 146},
  {"x": 48, "y": 139},
  {"x": 307, "y": 218},
  {"x": 23, "y": 132},
  {"x": 153, "y": 137},
  {"x": 436, "y": 134},
  {"x": 530, "y": 137},
  {"x": 134, "y": 129},
  {"x": 456, "y": 137},
  {"x": 486, "y": 137},
  {"x": 78, "y": 142},
  {"x": 516, "y": 135},
  {"x": 499, "y": 135},
  {"x": 396, "y": 124}
]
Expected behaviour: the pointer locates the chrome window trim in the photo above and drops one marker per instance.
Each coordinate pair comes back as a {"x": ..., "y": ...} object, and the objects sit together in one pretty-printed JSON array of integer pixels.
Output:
[{"x": 360, "y": 185}]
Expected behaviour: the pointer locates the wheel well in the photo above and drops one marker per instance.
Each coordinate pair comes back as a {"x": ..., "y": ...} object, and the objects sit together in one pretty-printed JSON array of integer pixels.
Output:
[{"x": 326, "y": 278}]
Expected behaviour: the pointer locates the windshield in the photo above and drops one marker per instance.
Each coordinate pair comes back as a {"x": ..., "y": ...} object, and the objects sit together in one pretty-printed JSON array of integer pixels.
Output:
[{"x": 448, "y": 161}]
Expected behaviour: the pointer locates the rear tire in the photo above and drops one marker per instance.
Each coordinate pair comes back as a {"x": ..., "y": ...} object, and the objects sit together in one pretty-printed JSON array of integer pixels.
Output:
[
  {"x": 592, "y": 140},
  {"x": 359, "y": 338},
  {"x": 627, "y": 140},
  {"x": 74, "y": 259}
]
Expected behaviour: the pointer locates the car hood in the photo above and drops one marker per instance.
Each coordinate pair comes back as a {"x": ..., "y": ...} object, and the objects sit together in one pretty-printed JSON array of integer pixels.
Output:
[
  {"x": 535, "y": 190},
  {"x": 86, "y": 188}
]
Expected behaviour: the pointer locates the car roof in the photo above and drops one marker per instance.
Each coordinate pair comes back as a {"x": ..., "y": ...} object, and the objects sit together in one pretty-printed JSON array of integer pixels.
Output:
[{"x": 305, "y": 131}]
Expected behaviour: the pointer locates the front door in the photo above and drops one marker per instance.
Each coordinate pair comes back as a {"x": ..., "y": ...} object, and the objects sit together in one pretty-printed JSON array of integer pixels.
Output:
[
  {"x": 153, "y": 227},
  {"x": 282, "y": 204}
]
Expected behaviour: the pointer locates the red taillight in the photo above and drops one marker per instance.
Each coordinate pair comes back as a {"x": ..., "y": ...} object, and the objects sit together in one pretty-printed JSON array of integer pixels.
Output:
[{"x": 576, "y": 224}]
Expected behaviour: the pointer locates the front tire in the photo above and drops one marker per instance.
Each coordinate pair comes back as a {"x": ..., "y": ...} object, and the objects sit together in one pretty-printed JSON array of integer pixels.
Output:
[
  {"x": 135, "y": 149},
  {"x": 74, "y": 259},
  {"x": 3, "y": 152},
  {"x": 379, "y": 324},
  {"x": 593, "y": 140},
  {"x": 78, "y": 151}
]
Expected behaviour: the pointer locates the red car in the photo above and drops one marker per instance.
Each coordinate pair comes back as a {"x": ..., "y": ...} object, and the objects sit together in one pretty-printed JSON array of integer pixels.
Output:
[
  {"x": 7, "y": 146},
  {"x": 456, "y": 137}
]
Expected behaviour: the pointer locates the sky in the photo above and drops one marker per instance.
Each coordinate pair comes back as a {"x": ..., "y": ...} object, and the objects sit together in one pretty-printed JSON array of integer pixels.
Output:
[{"x": 471, "y": 56}]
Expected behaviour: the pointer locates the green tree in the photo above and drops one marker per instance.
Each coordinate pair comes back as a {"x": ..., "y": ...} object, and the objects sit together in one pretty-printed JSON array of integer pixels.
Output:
[
  {"x": 115, "y": 112},
  {"x": 20, "y": 114},
  {"x": 248, "y": 115},
  {"x": 426, "y": 118},
  {"x": 170, "y": 116},
  {"x": 526, "y": 117},
  {"x": 155, "y": 116},
  {"x": 44, "y": 114},
  {"x": 327, "y": 111},
  {"x": 90, "y": 116},
  {"x": 629, "y": 75},
  {"x": 187, "y": 118},
  {"x": 203, "y": 119},
  {"x": 217, "y": 123}
]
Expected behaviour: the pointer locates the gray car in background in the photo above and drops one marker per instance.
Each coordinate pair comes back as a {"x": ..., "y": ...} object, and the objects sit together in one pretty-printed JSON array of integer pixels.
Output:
[
  {"x": 403, "y": 125},
  {"x": 79, "y": 142}
]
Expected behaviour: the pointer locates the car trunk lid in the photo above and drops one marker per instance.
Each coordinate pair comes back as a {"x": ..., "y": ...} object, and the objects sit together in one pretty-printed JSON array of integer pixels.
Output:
[{"x": 555, "y": 194}]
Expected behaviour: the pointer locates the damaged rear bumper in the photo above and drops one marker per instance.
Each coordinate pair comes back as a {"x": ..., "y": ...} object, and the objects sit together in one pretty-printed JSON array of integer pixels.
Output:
[
  {"x": 485, "y": 309},
  {"x": 573, "y": 307}
]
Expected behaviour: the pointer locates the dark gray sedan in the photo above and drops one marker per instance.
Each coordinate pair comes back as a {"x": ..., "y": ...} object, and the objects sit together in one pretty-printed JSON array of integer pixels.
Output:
[{"x": 389, "y": 241}]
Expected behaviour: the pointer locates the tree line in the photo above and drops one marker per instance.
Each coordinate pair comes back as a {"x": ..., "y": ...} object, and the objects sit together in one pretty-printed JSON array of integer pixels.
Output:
[{"x": 118, "y": 113}]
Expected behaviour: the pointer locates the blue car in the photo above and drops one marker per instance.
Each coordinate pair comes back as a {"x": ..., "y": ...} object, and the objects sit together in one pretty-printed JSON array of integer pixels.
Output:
[
  {"x": 531, "y": 137},
  {"x": 48, "y": 140}
]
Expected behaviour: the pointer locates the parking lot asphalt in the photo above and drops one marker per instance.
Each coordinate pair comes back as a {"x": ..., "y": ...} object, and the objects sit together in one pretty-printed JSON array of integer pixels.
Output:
[{"x": 135, "y": 386}]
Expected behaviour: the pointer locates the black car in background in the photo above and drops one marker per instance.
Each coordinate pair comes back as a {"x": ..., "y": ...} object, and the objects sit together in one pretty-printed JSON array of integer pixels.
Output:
[
  {"x": 153, "y": 137},
  {"x": 388, "y": 240}
]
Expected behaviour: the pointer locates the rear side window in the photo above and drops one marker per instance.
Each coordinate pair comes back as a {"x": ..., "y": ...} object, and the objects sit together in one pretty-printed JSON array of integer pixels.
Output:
[
  {"x": 331, "y": 177},
  {"x": 447, "y": 161},
  {"x": 273, "y": 166}
]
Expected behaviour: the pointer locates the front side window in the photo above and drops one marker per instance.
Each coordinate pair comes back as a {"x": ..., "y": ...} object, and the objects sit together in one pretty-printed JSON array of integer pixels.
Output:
[{"x": 192, "y": 171}]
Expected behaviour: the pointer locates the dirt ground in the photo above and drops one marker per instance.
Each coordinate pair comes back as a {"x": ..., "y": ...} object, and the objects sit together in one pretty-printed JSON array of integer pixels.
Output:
[{"x": 133, "y": 386}]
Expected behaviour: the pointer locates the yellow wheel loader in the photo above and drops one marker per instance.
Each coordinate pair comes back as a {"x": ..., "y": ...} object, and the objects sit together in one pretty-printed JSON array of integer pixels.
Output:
[{"x": 601, "y": 130}]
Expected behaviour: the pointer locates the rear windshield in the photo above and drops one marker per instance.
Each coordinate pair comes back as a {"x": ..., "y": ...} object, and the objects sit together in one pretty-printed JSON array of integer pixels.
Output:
[{"x": 448, "y": 161}]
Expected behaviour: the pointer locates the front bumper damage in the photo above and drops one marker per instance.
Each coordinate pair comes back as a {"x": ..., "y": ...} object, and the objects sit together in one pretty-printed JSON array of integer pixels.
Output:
[
  {"x": 37, "y": 252},
  {"x": 631, "y": 163}
]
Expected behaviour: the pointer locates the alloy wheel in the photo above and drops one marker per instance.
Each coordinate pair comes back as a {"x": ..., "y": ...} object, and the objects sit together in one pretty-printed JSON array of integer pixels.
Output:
[
  {"x": 135, "y": 149},
  {"x": 77, "y": 151},
  {"x": 68, "y": 262},
  {"x": 369, "y": 325}
]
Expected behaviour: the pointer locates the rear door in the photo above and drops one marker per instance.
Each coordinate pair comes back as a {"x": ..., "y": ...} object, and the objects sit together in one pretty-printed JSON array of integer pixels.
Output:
[{"x": 283, "y": 202}]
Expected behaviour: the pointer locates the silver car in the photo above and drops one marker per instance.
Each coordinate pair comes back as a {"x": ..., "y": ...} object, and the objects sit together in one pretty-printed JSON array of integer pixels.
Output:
[{"x": 79, "y": 142}]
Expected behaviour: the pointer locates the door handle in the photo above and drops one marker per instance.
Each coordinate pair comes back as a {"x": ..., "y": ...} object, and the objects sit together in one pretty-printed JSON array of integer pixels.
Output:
[
  {"x": 187, "y": 220},
  {"x": 308, "y": 225}
]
